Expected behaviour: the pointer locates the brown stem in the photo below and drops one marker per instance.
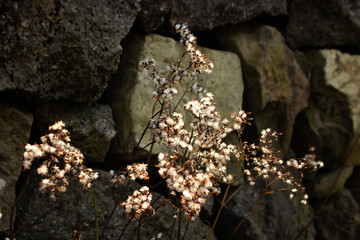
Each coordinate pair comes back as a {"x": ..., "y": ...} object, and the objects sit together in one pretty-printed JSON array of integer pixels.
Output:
[
  {"x": 26, "y": 221},
  {"x": 113, "y": 210},
  {"x": 249, "y": 213},
  {"x": 179, "y": 226},
  {"x": 331, "y": 189},
  {"x": 127, "y": 224},
  {"x": 186, "y": 229},
  {"x": 236, "y": 191},
  {"x": 19, "y": 197},
  {"x": 241, "y": 159}
]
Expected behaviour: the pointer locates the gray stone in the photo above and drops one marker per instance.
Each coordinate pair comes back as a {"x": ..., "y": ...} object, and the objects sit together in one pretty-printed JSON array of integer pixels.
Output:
[
  {"x": 333, "y": 115},
  {"x": 342, "y": 72},
  {"x": 206, "y": 15},
  {"x": 276, "y": 88},
  {"x": 15, "y": 125},
  {"x": 276, "y": 217},
  {"x": 75, "y": 210},
  {"x": 313, "y": 23},
  {"x": 152, "y": 15},
  {"x": 339, "y": 219},
  {"x": 131, "y": 91},
  {"x": 325, "y": 181},
  {"x": 91, "y": 125},
  {"x": 62, "y": 49},
  {"x": 353, "y": 183}
]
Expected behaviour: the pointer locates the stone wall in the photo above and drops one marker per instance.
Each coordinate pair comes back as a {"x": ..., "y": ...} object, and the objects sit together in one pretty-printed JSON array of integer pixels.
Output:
[{"x": 295, "y": 65}]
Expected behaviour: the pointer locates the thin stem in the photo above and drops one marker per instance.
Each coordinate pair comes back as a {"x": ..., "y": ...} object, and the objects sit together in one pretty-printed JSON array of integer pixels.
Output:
[
  {"x": 157, "y": 184},
  {"x": 127, "y": 224},
  {"x": 6, "y": 202},
  {"x": 19, "y": 197},
  {"x": 249, "y": 213},
  {"x": 150, "y": 153},
  {"x": 150, "y": 143},
  {"x": 96, "y": 214},
  {"x": 113, "y": 210},
  {"x": 138, "y": 232},
  {"x": 278, "y": 190},
  {"x": 26, "y": 221},
  {"x": 219, "y": 212},
  {"x": 172, "y": 228},
  {"x": 179, "y": 226},
  {"x": 186, "y": 229},
  {"x": 331, "y": 189},
  {"x": 144, "y": 132},
  {"x": 225, "y": 195},
  {"x": 234, "y": 193},
  {"x": 183, "y": 95}
]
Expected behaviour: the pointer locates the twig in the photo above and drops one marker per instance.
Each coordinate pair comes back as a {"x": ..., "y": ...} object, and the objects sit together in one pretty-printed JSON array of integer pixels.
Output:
[
  {"x": 127, "y": 224},
  {"x": 250, "y": 212},
  {"x": 113, "y": 210}
]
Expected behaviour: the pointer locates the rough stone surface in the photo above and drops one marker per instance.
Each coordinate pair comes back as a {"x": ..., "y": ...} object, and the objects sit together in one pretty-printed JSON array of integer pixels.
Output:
[
  {"x": 333, "y": 114},
  {"x": 15, "y": 125},
  {"x": 313, "y": 23},
  {"x": 75, "y": 209},
  {"x": 342, "y": 72},
  {"x": 91, "y": 126},
  {"x": 276, "y": 217},
  {"x": 152, "y": 15},
  {"x": 353, "y": 183},
  {"x": 325, "y": 182},
  {"x": 206, "y": 15},
  {"x": 276, "y": 89},
  {"x": 132, "y": 90},
  {"x": 327, "y": 223},
  {"x": 62, "y": 49}
]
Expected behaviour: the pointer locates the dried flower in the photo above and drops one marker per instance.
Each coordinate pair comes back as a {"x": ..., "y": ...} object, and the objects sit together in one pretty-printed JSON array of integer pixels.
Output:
[
  {"x": 132, "y": 172},
  {"x": 56, "y": 151},
  {"x": 139, "y": 204}
]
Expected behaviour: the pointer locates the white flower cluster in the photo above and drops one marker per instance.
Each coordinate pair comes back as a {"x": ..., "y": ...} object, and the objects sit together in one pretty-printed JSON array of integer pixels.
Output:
[
  {"x": 170, "y": 131},
  {"x": 164, "y": 87},
  {"x": 197, "y": 162},
  {"x": 198, "y": 59},
  {"x": 263, "y": 161},
  {"x": 139, "y": 204},
  {"x": 60, "y": 160},
  {"x": 132, "y": 172},
  {"x": 209, "y": 128},
  {"x": 194, "y": 187}
]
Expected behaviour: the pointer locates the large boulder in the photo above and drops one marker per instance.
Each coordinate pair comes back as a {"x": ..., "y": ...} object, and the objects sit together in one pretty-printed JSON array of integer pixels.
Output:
[
  {"x": 325, "y": 182},
  {"x": 62, "y": 49},
  {"x": 15, "y": 125},
  {"x": 276, "y": 217},
  {"x": 333, "y": 116},
  {"x": 206, "y": 15},
  {"x": 75, "y": 211},
  {"x": 353, "y": 183},
  {"x": 91, "y": 125},
  {"x": 341, "y": 208},
  {"x": 276, "y": 88},
  {"x": 320, "y": 24},
  {"x": 152, "y": 16},
  {"x": 130, "y": 92}
]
